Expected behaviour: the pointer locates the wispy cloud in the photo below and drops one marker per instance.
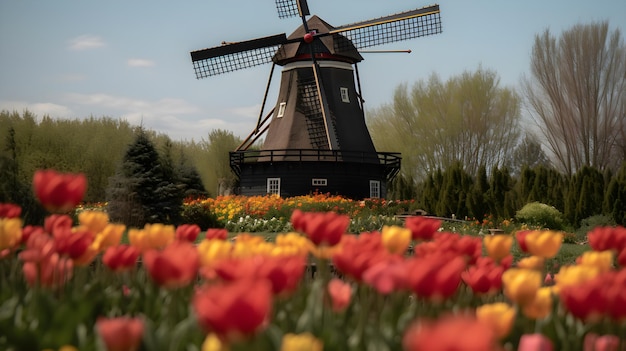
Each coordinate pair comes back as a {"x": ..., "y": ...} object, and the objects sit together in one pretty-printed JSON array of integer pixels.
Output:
[
  {"x": 40, "y": 109},
  {"x": 137, "y": 62},
  {"x": 86, "y": 42}
]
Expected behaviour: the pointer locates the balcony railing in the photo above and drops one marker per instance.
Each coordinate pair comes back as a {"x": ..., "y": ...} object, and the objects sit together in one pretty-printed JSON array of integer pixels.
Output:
[{"x": 390, "y": 160}]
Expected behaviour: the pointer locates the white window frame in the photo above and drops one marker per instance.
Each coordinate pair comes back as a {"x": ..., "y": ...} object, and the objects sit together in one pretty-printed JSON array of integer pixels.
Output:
[
  {"x": 273, "y": 186},
  {"x": 281, "y": 109},
  {"x": 345, "y": 96},
  {"x": 375, "y": 189},
  {"x": 319, "y": 182}
]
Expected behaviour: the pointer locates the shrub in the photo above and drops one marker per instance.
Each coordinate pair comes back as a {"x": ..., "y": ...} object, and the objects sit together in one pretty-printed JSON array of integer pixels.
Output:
[
  {"x": 587, "y": 224},
  {"x": 538, "y": 214},
  {"x": 201, "y": 215}
]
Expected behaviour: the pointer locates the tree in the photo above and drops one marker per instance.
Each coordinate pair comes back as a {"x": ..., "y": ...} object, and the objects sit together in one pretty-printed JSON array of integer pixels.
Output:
[
  {"x": 144, "y": 187},
  {"x": 215, "y": 163},
  {"x": 468, "y": 119},
  {"x": 577, "y": 95},
  {"x": 528, "y": 153}
]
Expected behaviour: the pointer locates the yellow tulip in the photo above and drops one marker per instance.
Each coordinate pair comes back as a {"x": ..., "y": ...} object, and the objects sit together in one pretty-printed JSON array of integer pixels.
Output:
[
  {"x": 499, "y": 316},
  {"x": 544, "y": 243},
  {"x": 498, "y": 246},
  {"x": 396, "y": 239},
  {"x": 521, "y": 285},
  {"x": 152, "y": 236},
  {"x": 532, "y": 262},
  {"x": 213, "y": 343},
  {"x": 574, "y": 275},
  {"x": 541, "y": 306},
  {"x": 111, "y": 235},
  {"x": 301, "y": 342},
  {"x": 603, "y": 260},
  {"x": 10, "y": 232},
  {"x": 214, "y": 250},
  {"x": 95, "y": 221}
]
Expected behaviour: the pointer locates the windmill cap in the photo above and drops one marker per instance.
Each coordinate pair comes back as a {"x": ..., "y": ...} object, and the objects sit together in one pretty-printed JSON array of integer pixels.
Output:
[{"x": 334, "y": 46}]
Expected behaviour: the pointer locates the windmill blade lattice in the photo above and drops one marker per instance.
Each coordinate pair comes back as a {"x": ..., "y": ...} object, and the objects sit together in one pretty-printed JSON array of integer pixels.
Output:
[
  {"x": 292, "y": 8},
  {"x": 236, "y": 56},
  {"x": 389, "y": 29}
]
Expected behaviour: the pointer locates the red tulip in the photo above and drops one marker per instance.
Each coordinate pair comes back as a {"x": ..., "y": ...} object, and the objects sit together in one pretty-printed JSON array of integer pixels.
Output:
[
  {"x": 42, "y": 264},
  {"x": 121, "y": 257},
  {"x": 322, "y": 228},
  {"x": 451, "y": 244},
  {"x": 234, "y": 310},
  {"x": 593, "y": 342},
  {"x": 10, "y": 210},
  {"x": 215, "y": 233},
  {"x": 57, "y": 223},
  {"x": 340, "y": 294},
  {"x": 435, "y": 277},
  {"x": 607, "y": 238},
  {"x": 521, "y": 239},
  {"x": 535, "y": 342},
  {"x": 460, "y": 333},
  {"x": 585, "y": 301},
  {"x": 358, "y": 253},
  {"x": 388, "y": 275},
  {"x": 485, "y": 277},
  {"x": 59, "y": 192},
  {"x": 187, "y": 232},
  {"x": 121, "y": 333},
  {"x": 73, "y": 244},
  {"x": 422, "y": 228},
  {"x": 176, "y": 266},
  {"x": 29, "y": 231}
]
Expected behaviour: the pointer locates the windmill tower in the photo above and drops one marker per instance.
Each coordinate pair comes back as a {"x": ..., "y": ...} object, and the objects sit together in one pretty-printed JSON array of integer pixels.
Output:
[{"x": 316, "y": 139}]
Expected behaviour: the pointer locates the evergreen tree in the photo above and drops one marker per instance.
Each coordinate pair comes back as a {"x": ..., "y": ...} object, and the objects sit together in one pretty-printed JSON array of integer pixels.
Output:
[
  {"x": 150, "y": 183},
  {"x": 615, "y": 198},
  {"x": 477, "y": 199}
]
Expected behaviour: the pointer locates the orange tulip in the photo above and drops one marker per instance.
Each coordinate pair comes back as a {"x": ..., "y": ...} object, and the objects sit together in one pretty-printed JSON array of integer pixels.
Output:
[
  {"x": 461, "y": 333},
  {"x": 602, "y": 260},
  {"x": 10, "y": 232},
  {"x": 541, "y": 306},
  {"x": 498, "y": 246},
  {"x": 175, "y": 266},
  {"x": 59, "y": 192},
  {"x": 532, "y": 262},
  {"x": 220, "y": 308},
  {"x": 544, "y": 243},
  {"x": 95, "y": 221},
  {"x": 521, "y": 285},
  {"x": 121, "y": 333},
  {"x": 499, "y": 316},
  {"x": 396, "y": 239},
  {"x": 301, "y": 342},
  {"x": 152, "y": 236}
]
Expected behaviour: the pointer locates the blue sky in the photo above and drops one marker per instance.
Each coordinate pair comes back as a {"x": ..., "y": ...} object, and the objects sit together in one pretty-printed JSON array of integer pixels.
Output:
[{"x": 130, "y": 59}]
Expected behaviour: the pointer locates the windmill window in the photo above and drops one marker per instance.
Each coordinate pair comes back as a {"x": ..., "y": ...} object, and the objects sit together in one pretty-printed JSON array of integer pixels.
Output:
[
  {"x": 319, "y": 182},
  {"x": 281, "y": 109},
  {"x": 375, "y": 189},
  {"x": 273, "y": 186},
  {"x": 344, "y": 95}
]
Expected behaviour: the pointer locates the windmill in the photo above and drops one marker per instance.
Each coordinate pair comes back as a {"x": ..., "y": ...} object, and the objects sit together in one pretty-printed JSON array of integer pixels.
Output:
[{"x": 316, "y": 139}]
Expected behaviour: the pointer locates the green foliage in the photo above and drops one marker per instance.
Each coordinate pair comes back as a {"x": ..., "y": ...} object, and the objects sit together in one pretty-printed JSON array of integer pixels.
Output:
[
  {"x": 538, "y": 214},
  {"x": 587, "y": 224},
  {"x": 200, "y": 215},
  {"x": 614, "y": 203},
  {"x": 150, "y": 183},
  {"x": 585, "y": 195},
  {"x": 469, "y": 119}
]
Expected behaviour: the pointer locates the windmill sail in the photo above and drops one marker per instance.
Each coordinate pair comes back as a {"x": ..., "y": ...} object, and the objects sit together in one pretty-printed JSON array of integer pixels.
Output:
[
  {"x": 236, "y": 56},
  {"x": 393, "y": 28}
]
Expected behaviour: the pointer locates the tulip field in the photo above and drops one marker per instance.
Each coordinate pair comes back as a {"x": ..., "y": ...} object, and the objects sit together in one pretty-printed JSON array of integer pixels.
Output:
[{"x": 86, "y": 283}]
